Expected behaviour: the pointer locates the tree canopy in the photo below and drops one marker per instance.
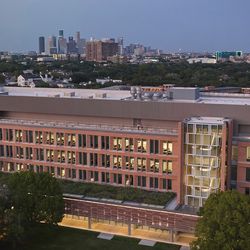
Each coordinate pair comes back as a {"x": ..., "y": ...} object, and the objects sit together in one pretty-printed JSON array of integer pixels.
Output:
[
  {"x": 225, "y": 223},
  {"x": 30, "y": 198}
]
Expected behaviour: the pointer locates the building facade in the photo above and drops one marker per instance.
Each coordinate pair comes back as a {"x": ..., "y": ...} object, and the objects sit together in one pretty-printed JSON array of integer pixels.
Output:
[
  {"x": 99, "y": 51},
  {"x": 169, "y": 139},
  {"x": 41, "y": 44}
]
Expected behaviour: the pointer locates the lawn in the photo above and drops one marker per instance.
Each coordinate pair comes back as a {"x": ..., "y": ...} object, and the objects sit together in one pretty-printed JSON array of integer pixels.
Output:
[{"x": 61, "y": 238}]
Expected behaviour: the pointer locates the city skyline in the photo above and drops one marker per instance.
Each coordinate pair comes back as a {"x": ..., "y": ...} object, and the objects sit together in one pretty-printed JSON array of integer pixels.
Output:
[{"x": 167, "y": 25}]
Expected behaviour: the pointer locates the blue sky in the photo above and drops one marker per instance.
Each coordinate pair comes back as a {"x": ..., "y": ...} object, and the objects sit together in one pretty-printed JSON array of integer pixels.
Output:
[{"x": 190, "y": 25}]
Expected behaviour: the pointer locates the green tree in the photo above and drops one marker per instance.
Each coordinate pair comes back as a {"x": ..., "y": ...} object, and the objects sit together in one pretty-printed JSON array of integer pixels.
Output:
[
  {"x": 36, "y": 198},
  {"x": 225, "y": 223}
]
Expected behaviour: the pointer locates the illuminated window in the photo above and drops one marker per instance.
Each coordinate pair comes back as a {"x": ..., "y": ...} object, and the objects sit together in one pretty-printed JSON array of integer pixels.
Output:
[
  {"x": 167, "y": 148},
  {"x": 142, "y": 145},
  {"x": 167, "y": 167},
  {"x": 60, "y": 139},
  {"x": 49, "y": 138},
  {"x": 141, "y": 164},
  {"x": 117, "y": 162},
  {"x": 129, "y": 144},
  {"x": 71, "y": 140},
  {"x": 248, "y": 153},
  {"x": 39, "y": 137},
  {"x": 19, "y": 135},
  {"x": 130, "y": 163},
  {"x": 154, "y": 165},
  {"x": 117, "y": 143}
]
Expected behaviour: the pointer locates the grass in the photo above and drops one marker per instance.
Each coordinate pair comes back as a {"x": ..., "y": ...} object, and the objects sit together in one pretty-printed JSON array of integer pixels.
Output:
[
  {"x": 45, "y": 237},
  {"x": 118, "y": 193},
  {"x": 110, "y": 192}
]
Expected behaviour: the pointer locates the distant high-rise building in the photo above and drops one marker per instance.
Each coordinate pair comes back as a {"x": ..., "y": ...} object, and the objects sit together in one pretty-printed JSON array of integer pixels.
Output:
[
  {"x": 62, "y": 45},
  {"x": 72, "y": 45},
  {"x": 52, "y": 47},
  {"x": 120, "y": 45},
  {"x": 80, "y": 43},
  {"x": 99, "y": 51},
  {"x": 61, "y": 33},
  {"x": 41, "y": 44}
]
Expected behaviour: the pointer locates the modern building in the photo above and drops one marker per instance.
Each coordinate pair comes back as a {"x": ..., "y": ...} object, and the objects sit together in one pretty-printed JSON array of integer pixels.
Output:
[
  {"x": 100, "y": 50},
  {"x": 62, "y": 43},
  {"x": 225, "y": 55},
  {"x": 162, "y": 139},
  {"x": 52, "y": 46},
  {"x": 71, "y": 46},
  {"x": 41, "y": 45}
]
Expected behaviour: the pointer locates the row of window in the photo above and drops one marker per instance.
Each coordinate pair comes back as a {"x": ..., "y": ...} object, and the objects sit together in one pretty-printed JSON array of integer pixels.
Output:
[
  {"x": 89, "y": 159},
  {"x": 95, "y": 176},
  {"x": 89, "y": 141}
]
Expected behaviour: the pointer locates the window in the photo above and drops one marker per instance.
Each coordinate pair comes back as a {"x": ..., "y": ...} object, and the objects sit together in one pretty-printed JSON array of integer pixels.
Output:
[
  {"x": 153, "y": 182},
  {"x": 154, "y": 146},
  {"x": 82, "y": 141},
  {"x": 9, "y": 151},
  {"x": 82, "y": 174},
  {"x": 141, "y": 164},
  {"x": 93, "y": 141},
  {"x": 83, "y": 158},
  {"x": 117, "y": 143},
  {"x": 1, "y": 150},
  {"x": 29, "y": 153},
  {"x": 105, "y": 177},
  {"x": 130, "y": 163},
  {"x": 19, "y": 135},
  {"x": 49, "y": 138},
  {"x": 19, "y": 152},
  {"x": 71, "y": 140},
  {"x": 167, "y": 148},
  {"x": 39, "y": 153},
  {"x": 167, "y": 167},
  {"x": 29, "y": 136},
  {"x": 39, "y": 137},
  {"x": 105, "y": 142},
  {"x": 60, "y": 139},
  {"x": 248, "y": 153},
  {"x": 93, "y": 159},
  {"x": 141, "y": 181},
  {"x": 129, "y": 144},
  {"x": 61, "y": 156},
  {"x": 142, "y": 145},
  {"x": 247, "y": 191},
  {"x": 49, "y": 155},
  {"x": 117, "y": 162},
  {"x": 9, "y": 135},
  {"x": 105, "y": 161},
  {"x": 167, "y": 184},
  {"x": 234, "y": 153},
  {"x": 154, "y": 165},
  {"x": 71, "y": 157},
  {"x": 247, "y": 174},
  {"x": 117, "y": 178}
]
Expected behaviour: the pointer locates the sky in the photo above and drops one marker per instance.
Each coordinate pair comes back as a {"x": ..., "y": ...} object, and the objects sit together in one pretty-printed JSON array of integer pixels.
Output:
[{"x": 171, "y": 25}]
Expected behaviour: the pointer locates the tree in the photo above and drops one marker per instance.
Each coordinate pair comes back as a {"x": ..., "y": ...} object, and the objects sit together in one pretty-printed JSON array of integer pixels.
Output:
[
  {"x": 36, "y": 198},
  {"x": 225, "y": 223}
]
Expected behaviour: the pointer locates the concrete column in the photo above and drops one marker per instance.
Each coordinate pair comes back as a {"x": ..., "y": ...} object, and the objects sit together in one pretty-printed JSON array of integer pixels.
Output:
[
  {"x": 129, "y": 228},
  {"x": 89, "y": 222}
]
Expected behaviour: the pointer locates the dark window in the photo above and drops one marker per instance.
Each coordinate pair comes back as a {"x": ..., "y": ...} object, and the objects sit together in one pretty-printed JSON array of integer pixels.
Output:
[
  {"x": 82, "y": 142},
  {"x": 247, "y": 174},
  {"x": 154, "y": 146}
]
